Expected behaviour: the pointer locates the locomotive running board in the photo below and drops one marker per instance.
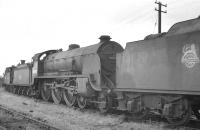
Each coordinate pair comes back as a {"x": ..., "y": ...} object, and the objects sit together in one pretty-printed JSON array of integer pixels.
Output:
[
  {"x": 59, "y": 77},
  {"x": 151, "y": 91},
  {"x": 23, "y": 85}
]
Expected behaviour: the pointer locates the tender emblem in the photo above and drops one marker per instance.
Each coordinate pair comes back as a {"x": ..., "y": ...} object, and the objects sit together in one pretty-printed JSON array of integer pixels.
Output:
[{"x": 189, "y": 57}]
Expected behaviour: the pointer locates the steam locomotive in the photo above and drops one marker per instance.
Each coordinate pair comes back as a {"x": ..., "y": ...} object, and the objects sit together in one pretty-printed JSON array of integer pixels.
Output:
[{"x": 158, "y": 74}]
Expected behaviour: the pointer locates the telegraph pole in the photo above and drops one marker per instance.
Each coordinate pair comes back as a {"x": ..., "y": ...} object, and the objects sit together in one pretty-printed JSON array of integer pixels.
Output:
[{"x": 159, "y": 14}]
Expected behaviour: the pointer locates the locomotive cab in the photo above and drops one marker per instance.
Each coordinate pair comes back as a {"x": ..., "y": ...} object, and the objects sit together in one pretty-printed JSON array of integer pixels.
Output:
[{"x": 38, "y": 63}]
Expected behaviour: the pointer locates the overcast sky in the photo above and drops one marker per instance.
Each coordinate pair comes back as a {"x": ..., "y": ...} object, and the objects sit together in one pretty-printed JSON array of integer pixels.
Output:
[{"x": 31, "y": 26}]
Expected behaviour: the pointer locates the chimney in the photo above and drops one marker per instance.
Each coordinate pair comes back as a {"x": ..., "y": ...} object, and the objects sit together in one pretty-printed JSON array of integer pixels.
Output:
[
  {"x": 104, "y": 38},
  {"x": 73, "y": 46}
]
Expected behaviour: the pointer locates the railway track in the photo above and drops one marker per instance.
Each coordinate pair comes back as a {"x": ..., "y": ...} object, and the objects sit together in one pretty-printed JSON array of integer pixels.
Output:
[
  {"x": 2, "y": 128},
  {"x": 151, "y": 119},
  {"x": 19, "y": 121},
  {"x": 193, "y": 123}
]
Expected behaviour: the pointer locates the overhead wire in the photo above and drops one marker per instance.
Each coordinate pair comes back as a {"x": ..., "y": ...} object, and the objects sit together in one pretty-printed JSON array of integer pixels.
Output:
[{"x": 156, "y": 22}]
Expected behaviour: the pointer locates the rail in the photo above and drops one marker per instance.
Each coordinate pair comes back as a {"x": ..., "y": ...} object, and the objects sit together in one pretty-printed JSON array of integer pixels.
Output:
[{"x": 43, "y": 125}]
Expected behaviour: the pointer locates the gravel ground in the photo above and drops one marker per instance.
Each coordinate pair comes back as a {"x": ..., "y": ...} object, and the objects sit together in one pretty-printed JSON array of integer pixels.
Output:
[{"x": 66, "y": 118}]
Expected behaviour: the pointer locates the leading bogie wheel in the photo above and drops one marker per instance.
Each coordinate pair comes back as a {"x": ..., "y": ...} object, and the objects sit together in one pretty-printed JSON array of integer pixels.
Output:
[
  {"x": 82, "y": 101},
  {"x": 104, "y": 102}
]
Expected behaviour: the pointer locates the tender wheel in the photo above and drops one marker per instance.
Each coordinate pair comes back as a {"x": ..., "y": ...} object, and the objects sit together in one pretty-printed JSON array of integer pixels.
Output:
[
  {"x": 105, "y": 103},
  {"x": 140, "y": 115},
  {"x": 28, "y": 92},
  {"x": 11, "y": 89},
  {"x": 56, "y": 95},
  {"x": 14, "y": 90},
  {"x": 20, "y": 90},
  {"x": 195, "y": 110},
  {"x": 45, "y": 92},
  {"x": 82, "y": 101},
  {"x": 7, "y": 88},
  {"x": 24, "y": 91},
  {"x": 17, "y": 90},
  {"x": 184, "y": 117},
  {"x": 69, "y": 97},
  {"x": 37, "y": 94}
]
